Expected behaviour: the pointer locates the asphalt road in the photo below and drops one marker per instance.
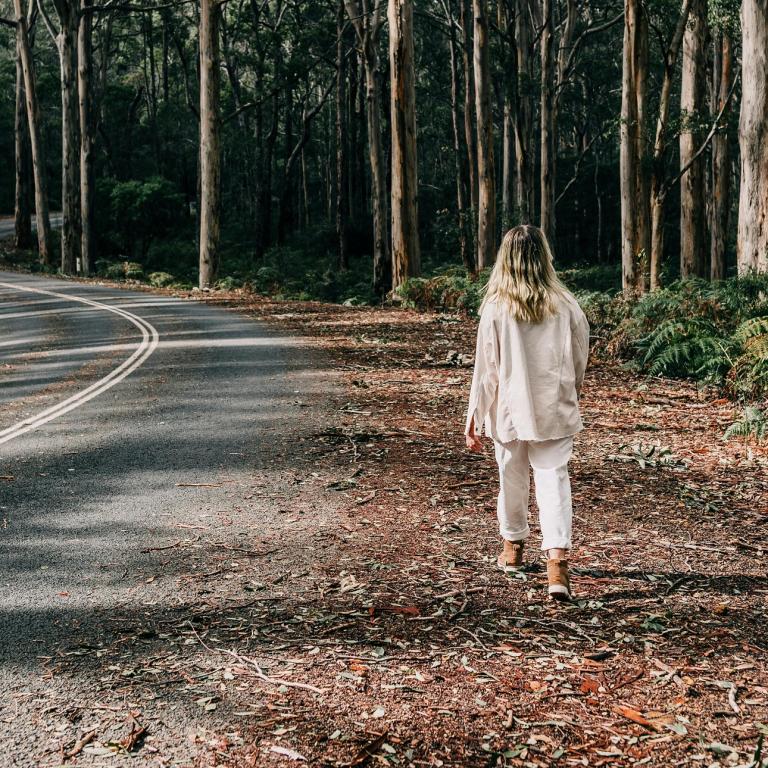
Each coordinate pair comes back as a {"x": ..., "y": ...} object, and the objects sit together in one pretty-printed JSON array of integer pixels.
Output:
[
  {"x": 138, "y": 449},
  {"x": 6, "y": 224}
]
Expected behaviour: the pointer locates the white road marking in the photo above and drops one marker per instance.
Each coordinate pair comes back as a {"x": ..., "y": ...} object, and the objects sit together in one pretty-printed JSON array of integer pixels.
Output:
[{"x": 148, "y": 344}]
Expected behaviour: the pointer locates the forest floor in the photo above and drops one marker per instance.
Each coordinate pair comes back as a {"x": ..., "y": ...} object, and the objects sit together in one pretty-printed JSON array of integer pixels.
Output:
[{"x": 393, "y": 640}]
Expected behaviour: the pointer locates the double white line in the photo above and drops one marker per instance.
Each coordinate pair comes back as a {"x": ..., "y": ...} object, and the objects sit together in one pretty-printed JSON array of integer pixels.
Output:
[{"x": 148, "y": 344}]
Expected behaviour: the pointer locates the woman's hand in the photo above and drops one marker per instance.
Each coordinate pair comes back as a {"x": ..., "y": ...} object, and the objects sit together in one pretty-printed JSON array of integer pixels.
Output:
[{"x": 473, "y": 441}]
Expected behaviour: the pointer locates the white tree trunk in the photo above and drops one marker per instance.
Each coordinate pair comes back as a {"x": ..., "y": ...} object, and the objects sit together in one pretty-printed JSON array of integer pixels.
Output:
[
  {"x": 486, "y": 204},
  {"x": 635, "y": 214},
  {"x": 693, "y": 211},
  {"x": 210, "y": 142},
  {"x": 66, "y": 42},
  {"x": 406, "y": 260},
  {"x": 721, "y": 159},
  {"x": 34, "y": 122},
  {"x": 87, "y": 138},
  {"x": 753, "y": 139}
]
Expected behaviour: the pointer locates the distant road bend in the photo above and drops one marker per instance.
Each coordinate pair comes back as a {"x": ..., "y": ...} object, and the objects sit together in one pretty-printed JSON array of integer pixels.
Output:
[{"x": 119, "y": 413}]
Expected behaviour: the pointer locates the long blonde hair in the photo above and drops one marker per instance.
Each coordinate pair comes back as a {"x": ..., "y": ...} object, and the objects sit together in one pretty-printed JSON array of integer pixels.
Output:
[{"x": 523, "y": 278}]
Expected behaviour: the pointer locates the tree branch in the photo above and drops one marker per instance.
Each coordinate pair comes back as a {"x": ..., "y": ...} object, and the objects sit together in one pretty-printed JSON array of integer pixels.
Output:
[
  {"x": 47, "y": 20},
  {"x": 712, "y": 131}
]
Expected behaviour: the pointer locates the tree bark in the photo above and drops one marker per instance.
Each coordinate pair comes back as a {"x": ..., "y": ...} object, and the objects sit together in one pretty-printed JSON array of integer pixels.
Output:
[
  {"x": 66, "y": 43},
  {"x": 752, "y": 240},
  {"x": 509, "y": 113},
  {"x": 658, "y": 171},
  {"x": 34, "y": 123},
  {"x": 367, "y": 24},
  {"x": 721, "y": 160},
  {"x": 210, "y": 142},
  {"x": 464, "y": 217},
  {"x": 486, "y": 202},
  {"x": 87, "y": 136},
  {"x": 406, "y": 259},
  {"x": 469, "y": 106},
  {"x": 693, "y": 210},
  {"x": 23, "y": 166},
  {"x": 635, "y": 214},
  {"x": 524, "y": 151},
  {"x": 547, "y": 116},
  {"x": 342, "y": 182}
]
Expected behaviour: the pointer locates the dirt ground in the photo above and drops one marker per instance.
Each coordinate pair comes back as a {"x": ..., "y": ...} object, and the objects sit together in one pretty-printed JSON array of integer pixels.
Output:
[{"x": 368, "y": 626}]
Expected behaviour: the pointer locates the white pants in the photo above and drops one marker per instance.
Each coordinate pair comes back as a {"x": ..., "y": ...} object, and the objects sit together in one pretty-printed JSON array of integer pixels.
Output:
[{"x": 549, "y": 459}]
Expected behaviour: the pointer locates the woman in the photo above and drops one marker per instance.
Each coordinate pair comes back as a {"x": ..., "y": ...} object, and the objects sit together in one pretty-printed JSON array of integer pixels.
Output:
[{"x": 532, "y": 349}]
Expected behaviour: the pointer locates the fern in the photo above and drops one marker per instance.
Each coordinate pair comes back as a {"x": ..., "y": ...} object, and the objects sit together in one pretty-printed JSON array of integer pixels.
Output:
[{"x": 753, "y": 423}]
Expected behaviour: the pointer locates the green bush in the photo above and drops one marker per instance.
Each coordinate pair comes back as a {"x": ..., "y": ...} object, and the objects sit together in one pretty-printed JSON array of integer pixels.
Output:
[
  {"x": 716, "y": 333},
  {"x": 752, "y": 424},
  {"x": 133, "y": 214},
  {"x": 161, "y": 279},
  {"x": 453, "y": 290},
  {"x": 228, "y": 283},
  {"x": 119, "y": 270}
]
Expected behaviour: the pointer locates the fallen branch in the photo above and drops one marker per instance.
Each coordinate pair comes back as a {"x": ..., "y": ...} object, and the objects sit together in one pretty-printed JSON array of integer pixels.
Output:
[
  {"x": 259, "y": 671},
  {"x": 80, "y": 744}
]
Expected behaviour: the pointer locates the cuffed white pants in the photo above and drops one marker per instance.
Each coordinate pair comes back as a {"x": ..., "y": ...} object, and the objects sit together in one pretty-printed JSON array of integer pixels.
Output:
[{"x": 549, "y": 459}]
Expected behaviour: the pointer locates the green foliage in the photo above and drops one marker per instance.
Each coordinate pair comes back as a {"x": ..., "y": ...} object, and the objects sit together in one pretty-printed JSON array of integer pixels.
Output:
[
  {"x": 453, "y": 290},
  {"x": 121, "y": 270},
  {"x": 133, "y": 214},
  {"x": 161, "y": 279},
  {"x": 713, "y": 333},
  {"x": 604, "y": 278},
  {"x": 752, "y": 424}
]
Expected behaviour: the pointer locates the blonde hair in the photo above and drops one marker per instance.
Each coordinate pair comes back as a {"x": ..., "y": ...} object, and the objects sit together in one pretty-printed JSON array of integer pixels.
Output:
[{"x": 523, "y": 278}]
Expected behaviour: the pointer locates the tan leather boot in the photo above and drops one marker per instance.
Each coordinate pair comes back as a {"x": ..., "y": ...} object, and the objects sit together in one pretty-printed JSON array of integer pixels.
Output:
[
  {"x": 559, "y": 583},
  {"x": 511, "y": 557}
]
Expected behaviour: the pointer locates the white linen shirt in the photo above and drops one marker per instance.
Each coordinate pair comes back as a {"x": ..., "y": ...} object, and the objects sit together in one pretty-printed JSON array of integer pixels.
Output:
[{"x": 528, "y": 376}]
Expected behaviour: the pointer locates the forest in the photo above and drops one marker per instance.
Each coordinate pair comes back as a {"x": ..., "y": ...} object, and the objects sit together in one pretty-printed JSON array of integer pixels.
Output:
[
  {"x": 338, "y": 149},
  {"x": 244, "y": 245}
]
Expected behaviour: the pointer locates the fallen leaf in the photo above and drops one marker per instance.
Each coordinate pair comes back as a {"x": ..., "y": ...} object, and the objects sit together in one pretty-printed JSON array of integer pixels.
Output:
[{"x": 291, "y": 754}]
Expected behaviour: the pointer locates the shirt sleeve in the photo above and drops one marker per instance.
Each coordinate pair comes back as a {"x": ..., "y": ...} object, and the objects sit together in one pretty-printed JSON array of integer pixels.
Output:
[
  {"x": 485, "y": 378},
  {"x": 580, "y": 342}
]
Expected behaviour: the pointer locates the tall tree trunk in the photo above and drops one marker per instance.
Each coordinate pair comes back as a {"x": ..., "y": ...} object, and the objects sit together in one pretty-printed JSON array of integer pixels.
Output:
[
  {"x": 210, "y": 142},
  {"x": 524, "y": 151},
  {"x": 486, "y": 203},
  {"x": 509, "y": 114},
  {"x": 547, "y": 116},
  {"x": 66, "y": 43},
  {"x": 22, "y": 208},
  {"x": 460, "y": 157},
  {"x": 34, "y": 123},
  {"x": 753, "y": 139},
  {"x": 659, "y": 189},
  {"x": 342, "y": 182},
  {"x": 367, "y": 24},
  {"x": 693, "y": 211},
  {"x": 87, "y": 135},
  {"x": 635, "y": 215},
  {"x": 469, "y": 105},
  {"x": 406, "y": 259},
  {"x": 721, "y": 160}
]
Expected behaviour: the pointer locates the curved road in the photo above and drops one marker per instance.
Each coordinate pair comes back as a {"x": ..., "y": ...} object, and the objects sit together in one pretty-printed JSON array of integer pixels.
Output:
[{"x": 132, "y": 456}]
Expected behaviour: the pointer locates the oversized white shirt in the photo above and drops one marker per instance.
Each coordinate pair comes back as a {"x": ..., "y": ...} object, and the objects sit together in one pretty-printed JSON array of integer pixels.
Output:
[{"x": 528, "y": 376}]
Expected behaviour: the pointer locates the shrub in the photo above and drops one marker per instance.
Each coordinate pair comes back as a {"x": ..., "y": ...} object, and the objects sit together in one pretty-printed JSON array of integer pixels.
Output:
[
  {"x": 161, "y": 279},
  {"x": 228, "y": 283},
  {"x": 714, "y": 333},
  {"x": 752, "y": 424},
  {"x": 135, "y": 213},
  {"x": 453, "y": 290},
  {"x": 119, "y": 270}
]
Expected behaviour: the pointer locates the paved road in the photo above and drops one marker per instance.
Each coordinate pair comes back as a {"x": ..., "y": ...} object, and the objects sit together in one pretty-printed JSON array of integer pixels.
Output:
[
  {"x": 6, "y": 224},
  {"x": 207, "y": 394}
]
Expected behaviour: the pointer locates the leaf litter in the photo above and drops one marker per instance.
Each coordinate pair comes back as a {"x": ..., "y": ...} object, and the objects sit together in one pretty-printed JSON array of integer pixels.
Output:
[{"x": 391, "y": 639}]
